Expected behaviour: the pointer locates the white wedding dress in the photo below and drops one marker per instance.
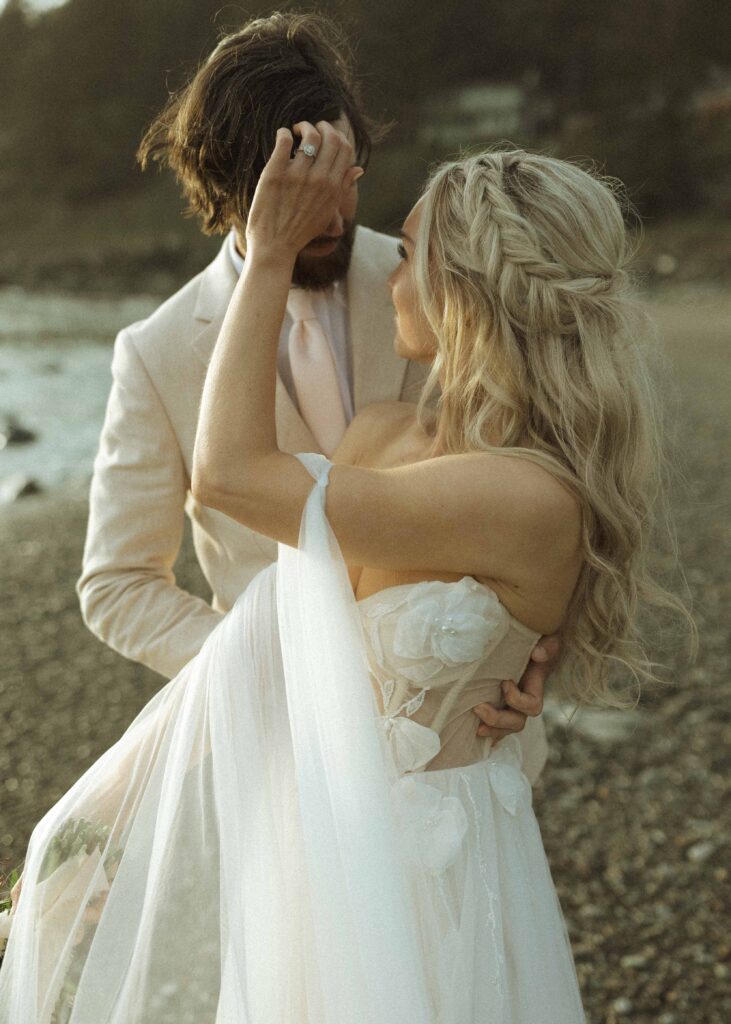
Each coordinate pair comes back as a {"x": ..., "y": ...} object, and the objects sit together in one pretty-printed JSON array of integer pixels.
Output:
[{"x": 271, "y": 843}]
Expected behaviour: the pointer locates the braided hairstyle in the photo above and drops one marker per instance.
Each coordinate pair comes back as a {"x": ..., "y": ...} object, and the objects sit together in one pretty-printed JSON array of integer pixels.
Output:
[{"x": 522, "y": 270}]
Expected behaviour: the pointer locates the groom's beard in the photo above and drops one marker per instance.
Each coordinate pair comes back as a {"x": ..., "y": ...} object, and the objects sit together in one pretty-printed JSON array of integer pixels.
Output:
[{"x": 319, "y": 272}]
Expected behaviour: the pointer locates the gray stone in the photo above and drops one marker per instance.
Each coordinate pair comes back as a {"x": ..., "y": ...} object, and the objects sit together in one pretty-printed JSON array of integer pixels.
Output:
[
  {"x": 13, "y": 432},
  {"x": 18, "y": 485},
  {"x": 700, "y": 852}
]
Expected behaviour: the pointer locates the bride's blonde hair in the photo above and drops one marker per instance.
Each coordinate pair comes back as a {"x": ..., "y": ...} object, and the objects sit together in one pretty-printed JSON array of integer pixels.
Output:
[{"x": 522, "y": 271}]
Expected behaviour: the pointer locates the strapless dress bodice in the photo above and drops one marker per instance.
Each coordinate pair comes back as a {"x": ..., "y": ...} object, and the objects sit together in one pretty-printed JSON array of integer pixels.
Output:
[{"x": 435, "y": 650}]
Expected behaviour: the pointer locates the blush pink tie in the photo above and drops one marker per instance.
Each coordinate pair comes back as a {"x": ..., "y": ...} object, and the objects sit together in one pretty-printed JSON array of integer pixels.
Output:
[{"x": 314, "y": 373}]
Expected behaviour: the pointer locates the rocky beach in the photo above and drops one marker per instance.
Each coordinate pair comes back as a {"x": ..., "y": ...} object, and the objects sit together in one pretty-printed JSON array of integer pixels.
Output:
[{"x": 634, "y": 807}]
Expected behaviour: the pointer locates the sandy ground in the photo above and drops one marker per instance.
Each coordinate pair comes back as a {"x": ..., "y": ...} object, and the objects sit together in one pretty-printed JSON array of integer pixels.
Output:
[{"x": 636, "y": 820}]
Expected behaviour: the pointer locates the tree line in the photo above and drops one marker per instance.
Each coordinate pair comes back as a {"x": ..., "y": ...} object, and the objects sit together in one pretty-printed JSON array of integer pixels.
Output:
[{"x": 79, "y": 83}]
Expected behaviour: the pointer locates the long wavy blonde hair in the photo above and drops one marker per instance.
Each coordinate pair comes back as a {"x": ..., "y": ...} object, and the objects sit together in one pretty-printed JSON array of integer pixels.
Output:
[{"x": 522, "y": 270}]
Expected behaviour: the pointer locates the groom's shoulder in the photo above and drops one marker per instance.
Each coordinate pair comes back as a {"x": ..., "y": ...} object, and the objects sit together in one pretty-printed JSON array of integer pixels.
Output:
[
  {"x": 375, "y": 256},
  {"x": 174, "y": 313},
  {"x": 174, "y": 317},
  {"x": 375, "y": 249}
]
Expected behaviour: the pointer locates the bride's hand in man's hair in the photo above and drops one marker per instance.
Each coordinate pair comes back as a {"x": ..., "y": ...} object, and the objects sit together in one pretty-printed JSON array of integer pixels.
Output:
[
  {"x": 297, "y": 196},
  {"x": 524, "y": 699}
]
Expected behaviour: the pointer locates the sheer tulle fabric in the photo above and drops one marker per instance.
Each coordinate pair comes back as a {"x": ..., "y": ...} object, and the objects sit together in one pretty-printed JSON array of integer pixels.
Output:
[{"x": 250, "y": 852}]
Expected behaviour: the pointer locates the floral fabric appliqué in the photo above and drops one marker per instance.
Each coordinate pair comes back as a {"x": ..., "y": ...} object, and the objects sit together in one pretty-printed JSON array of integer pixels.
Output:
[
  {"x": 433, "y": 825},
  {"x": 448, "y": 624}
]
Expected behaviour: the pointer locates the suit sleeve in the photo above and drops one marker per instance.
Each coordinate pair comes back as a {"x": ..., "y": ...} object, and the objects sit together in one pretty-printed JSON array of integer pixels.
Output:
[{"x": 127, "y": 590}]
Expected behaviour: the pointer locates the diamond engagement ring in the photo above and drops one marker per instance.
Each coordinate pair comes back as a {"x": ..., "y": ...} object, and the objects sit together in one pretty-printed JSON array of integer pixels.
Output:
[{"x": 308, "y": 149}]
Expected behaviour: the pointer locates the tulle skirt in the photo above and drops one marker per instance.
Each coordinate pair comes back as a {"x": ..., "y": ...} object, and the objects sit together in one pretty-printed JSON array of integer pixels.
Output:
[
  {"x": 490, "y": 921},
  {"x": 245, "y": 854}
]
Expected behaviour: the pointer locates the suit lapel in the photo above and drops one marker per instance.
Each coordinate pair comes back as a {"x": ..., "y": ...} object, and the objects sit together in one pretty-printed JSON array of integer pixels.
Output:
[
  {"x": 214, "y": 294},
  {"x": 378, "y": 372}
]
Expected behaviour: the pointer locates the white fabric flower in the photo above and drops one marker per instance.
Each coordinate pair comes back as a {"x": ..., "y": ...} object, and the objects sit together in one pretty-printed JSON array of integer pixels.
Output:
[
  {"x": 433, "y": 825},
  {"x": 508, "y": 783},
  {"x": 413, "y": 745},
  {"x": 449, "y": 624}
]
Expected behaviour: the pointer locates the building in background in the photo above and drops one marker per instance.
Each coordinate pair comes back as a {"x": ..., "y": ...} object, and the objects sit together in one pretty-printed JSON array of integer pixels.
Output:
[{"x": 486, "y": 111}]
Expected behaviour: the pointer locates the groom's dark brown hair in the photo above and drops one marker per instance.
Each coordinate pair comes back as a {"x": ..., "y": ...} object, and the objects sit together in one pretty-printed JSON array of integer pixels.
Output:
[{"x": 218, "y": 131}]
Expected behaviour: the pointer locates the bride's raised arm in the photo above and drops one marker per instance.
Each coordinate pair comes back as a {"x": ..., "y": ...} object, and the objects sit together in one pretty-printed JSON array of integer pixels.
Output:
[{"x": 469, "y": 513}]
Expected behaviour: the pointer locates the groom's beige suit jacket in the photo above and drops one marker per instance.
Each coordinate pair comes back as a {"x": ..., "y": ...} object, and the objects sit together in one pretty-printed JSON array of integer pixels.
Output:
[{"x": 140, "y": 487}]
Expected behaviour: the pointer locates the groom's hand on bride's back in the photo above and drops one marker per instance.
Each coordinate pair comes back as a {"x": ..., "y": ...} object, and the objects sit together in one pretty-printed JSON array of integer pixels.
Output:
[{"x": 522, "y": 699}]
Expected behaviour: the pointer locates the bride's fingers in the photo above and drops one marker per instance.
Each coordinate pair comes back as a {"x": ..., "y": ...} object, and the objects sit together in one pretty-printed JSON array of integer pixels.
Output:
[
  {"x": 335, "y": 153},
  {"x": 348, "y": 172},
  {"x": 326, "y": 167},
  {"x": 341, "y": 151},
  {"x": 280, "y": 158},
  {"x": 296, "y": 197},
  {"x": 309, "y": 136}
]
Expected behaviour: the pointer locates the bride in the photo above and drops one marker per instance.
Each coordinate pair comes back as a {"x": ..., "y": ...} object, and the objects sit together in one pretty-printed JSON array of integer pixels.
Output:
[{"x": 302, "y": 827}]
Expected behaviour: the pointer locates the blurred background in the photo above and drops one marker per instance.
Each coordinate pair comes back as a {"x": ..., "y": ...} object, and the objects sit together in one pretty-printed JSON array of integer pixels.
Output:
[
  {"x": 633, "y": 806},
  {"x": 642, "y": 86}
]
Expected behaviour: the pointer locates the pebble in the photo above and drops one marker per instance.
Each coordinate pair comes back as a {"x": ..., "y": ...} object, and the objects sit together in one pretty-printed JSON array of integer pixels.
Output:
[
  {"x": 700, "y": 852},
  {"x": 633, "y": 960},
  {"x": 13, "y": 432},
  {"x": 606, "y": 726},
  {"x": 17, "y": 485}
]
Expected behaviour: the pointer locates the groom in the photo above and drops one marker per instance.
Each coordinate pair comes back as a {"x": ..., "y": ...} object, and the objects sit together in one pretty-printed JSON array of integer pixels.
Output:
[{"x": 216, "y": 134}]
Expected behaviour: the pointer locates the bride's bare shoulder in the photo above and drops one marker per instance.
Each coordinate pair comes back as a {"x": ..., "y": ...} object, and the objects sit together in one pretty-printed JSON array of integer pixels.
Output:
[{"x": 372, "y": 428}]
